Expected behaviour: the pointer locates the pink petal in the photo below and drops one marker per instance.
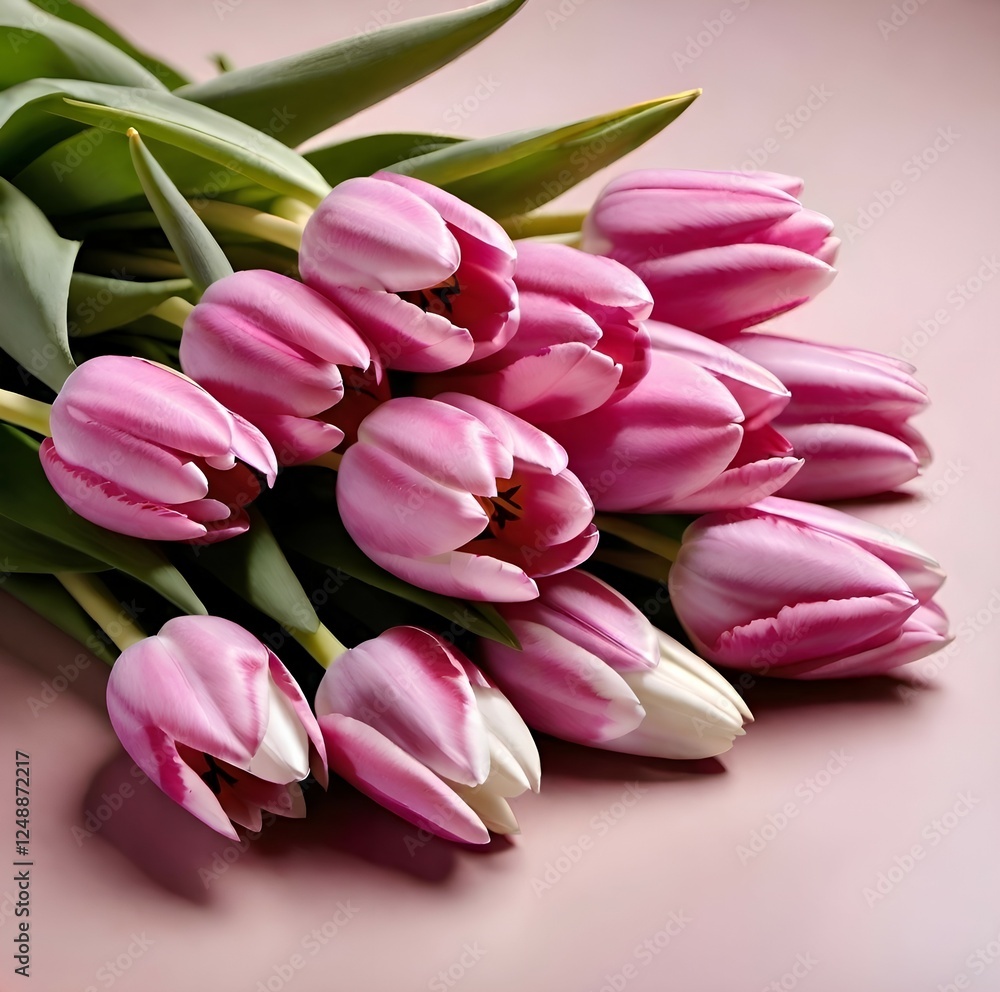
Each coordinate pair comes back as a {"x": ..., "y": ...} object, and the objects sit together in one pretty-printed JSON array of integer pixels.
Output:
[
  {"x": 390, "y": 776},
  {"x": 373, "y": 234}
]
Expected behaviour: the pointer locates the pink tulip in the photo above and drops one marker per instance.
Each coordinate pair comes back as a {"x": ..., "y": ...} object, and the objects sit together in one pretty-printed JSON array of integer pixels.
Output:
[
  {"x": 216, "y": 721},
  {"x": 797, "y": 591},
  {"x": 271, "y": 350},
  {"x": 426, "y": 278},
  {"x": 848, "y": 418},
  {"x": 679, "y": 442},
  {"x": 413, "y": 724},
  {"x": 143, "y": 450},
  {"x": 593, "y": 670},
  {"x": 719, "y": 251},
  {"x": 460, "y": 497},
  {"x": 579, "y": 342}
]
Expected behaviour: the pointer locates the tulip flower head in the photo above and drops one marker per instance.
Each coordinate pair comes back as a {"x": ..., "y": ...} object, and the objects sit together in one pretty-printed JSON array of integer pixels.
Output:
[
  {"x": 460, "y": 497},
  {"x": 413, "y": 724},
  {"x": 145, "y": 451},
  {"x": 593, "y": 670},
  {"x": 788, "y": 589},
  {"x": 427, "y": 279},
  {"x": 277, "y": 353},
  {"x": 216, "y": 721},
  {"x": 719, "y": 251},
  {"x": 848, "y": 416},
  {"x": 580, "y": 341}
]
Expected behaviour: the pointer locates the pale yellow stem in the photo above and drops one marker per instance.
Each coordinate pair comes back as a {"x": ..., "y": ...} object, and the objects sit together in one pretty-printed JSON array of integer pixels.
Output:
[
  {"x": 641, "y": 537},
  {"x": 320, "y": 643},
  {"x": 246, "y": 220},
  {"x": 102, "y": 608},
  {"x": 24, "y": 412},
  {"x": 544, "y": 225},
  {"x": 292, "y": 209},
  {"x": 173, "y": 311}
]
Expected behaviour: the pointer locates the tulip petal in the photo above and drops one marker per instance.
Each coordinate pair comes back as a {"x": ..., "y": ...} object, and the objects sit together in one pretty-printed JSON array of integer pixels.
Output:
[{"x": 385, "y": 772}]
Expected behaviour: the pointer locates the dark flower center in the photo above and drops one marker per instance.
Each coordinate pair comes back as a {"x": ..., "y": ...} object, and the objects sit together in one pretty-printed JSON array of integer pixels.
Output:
[{"x": 436, "y": 299}]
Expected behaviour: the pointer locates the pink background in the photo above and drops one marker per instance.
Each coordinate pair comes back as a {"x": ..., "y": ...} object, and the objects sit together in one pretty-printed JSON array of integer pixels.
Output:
[{"x": 630, "y": 873}]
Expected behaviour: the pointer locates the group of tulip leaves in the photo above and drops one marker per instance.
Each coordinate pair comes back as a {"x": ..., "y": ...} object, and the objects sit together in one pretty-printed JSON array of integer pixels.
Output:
[{"x": 75, "y": 202}]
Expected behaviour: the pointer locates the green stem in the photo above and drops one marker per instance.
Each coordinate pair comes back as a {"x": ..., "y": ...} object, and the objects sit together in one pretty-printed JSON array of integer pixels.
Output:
[
  {"x": 292, "y": 209},
  {"x": 329, "y": 460},
  {"x": 643, "y": 563},
  {"x": 641, "y": 537},
  {"x": 24, "y": 412},
  {"x": 247, "y": 220},
  {"x": 544, "y": 225},
  {"x": 320, "y": 643},
  {"x": 102, "y": 608}
]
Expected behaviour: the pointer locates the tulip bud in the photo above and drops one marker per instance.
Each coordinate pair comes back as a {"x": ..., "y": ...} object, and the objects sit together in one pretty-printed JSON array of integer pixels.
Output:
[
  {"x": 719, "y": 251},
  {"x": 593, "y": 670},
  {"x": 145, "y": 451}
]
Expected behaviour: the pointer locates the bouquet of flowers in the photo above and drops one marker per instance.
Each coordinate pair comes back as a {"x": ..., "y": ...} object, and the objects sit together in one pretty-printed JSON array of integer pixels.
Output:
[{"x": 469, "y": 466}]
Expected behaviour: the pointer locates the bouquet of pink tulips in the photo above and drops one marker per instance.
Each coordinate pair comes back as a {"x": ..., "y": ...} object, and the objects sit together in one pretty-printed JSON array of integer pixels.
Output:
[{"x": 396, "y": 464}]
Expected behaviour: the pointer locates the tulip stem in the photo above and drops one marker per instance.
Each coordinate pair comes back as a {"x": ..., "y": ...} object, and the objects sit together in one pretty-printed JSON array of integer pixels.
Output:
[
  {"x": 258, "y": 224},
  {"x": 292, "y": 209},
  {"x": 174, "y": 311},
  {"x": 106, "y": 611},
  {"x": 329, "y": 460},
  {"x": 536, "y": 225},
  {"x": 641, "y": 537},
  {"x": 24, "y": 412},
  {"x": 320, "y": 643}
]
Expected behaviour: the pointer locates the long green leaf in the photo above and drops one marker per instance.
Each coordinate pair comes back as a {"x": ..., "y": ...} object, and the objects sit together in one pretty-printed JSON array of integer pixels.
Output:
[
  {"x": 49, "y": 599},
  {"x": 202, "y": 151},
  {"x": 35, "y": 269},
  {"x": 537, "y": 179},
  {"x": 99, "y": 303},
  {"x": 325, "y": 539},
  {"x": 316, "y": 89},
  {"x": 33, "y": 43},
  {"x": 25, "y": 550},
  {"x": 27, "y": 498},
  {"x": 255, "y": 568},
  {"x": 75, "y": 14},
  {"x": 515, "y": 173},
  {"x": 199, "y": 254},
  {"x": 365, "y": 155}
]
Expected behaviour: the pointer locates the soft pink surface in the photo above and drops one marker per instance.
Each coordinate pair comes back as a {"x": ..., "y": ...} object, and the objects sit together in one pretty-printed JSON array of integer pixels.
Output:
[{"x": 617, "y": 850}]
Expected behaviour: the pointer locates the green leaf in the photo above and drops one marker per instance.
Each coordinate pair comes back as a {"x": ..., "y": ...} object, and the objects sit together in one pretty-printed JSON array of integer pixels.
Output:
[
  {"x": 202, "y": 151},
  {"x": 325, "y": 539},
  {"x": 99, "y": 303},
  {"x": 27, "y": 498},
  {"x": 49, "y": 599},
  {"x": 301, "y": 95},
  {"x": 33, "y": 43},
  {"x": 516, "y": 173},
  {"x": 255, "y": 568},
  {"x": 365, "y": 155},
  {"x": 35, "y": 269},
  {"x": 75, "y": 14},
  {"x": 199, "y": 254},
  {"x": 25, "y": 550}
]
